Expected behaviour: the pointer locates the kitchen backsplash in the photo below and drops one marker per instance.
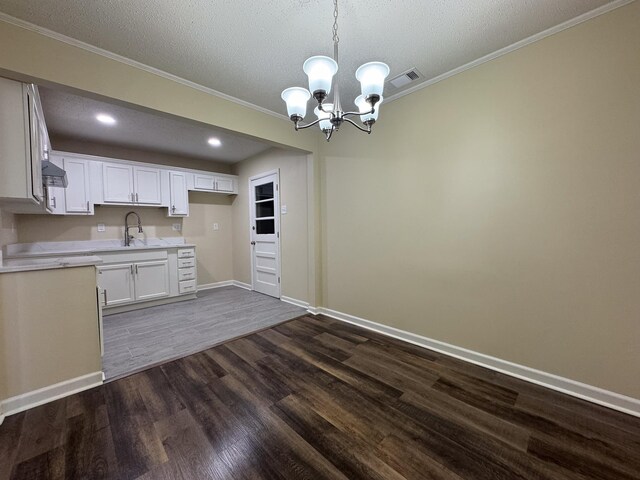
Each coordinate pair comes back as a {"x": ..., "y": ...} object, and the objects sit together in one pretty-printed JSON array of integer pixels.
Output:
[{"x": 49, "y": 228}]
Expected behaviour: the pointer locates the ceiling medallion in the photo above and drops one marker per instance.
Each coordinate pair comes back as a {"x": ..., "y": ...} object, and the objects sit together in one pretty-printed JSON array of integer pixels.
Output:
[{"x": 320, "y": 70}]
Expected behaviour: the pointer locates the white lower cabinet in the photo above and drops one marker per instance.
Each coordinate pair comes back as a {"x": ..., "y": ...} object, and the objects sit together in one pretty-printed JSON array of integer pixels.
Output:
[
  {"x": 131, "y": 282},
  {"x": 117, "y": 283},
  {"x": 129, "y": 277},
  {"x": 152, "y": 280}
]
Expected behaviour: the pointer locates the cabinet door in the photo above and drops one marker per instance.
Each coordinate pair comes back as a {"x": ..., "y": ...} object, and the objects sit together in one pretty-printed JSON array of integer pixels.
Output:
[
  {"x": 147, "y": 185},
  {"x": 118, "y": 183},
  {"x": 224, "y": 184},
  {"x": 55, "y": 195},
  {"x": 76, "y": 194},
  {"x": 37, "y": 145},
  {"x": 179, "y": 194},
  {"x": 152, "y": 279},
  {"x": 117, "y": 283},
  {"x": 204, "y": 183}
]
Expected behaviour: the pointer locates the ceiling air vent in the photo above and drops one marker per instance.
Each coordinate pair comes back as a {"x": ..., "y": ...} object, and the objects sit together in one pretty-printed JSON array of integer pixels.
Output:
[{"x": 405, "y": 78}]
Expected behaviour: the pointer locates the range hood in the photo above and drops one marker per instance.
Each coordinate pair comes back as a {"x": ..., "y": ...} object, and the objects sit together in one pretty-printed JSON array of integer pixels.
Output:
[{"x": 53, "y": 176}]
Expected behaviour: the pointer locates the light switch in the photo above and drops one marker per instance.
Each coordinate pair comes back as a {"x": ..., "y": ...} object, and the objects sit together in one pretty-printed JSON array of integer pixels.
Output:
[
  {"x": 216, "y": 226},
  {"x": 176, "y": 227},
  {"x": 283, "y": 209},
  {"x": 101, "y": 227}
]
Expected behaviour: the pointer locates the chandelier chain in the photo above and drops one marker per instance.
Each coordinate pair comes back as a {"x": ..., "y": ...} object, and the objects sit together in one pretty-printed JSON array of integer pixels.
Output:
[{"x": 336, "y": 39}]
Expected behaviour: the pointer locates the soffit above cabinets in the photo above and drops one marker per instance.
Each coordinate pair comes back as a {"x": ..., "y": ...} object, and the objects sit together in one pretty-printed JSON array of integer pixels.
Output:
[
  {"x": 74, "y": 116},
  {"x": 252, "y": 50}
]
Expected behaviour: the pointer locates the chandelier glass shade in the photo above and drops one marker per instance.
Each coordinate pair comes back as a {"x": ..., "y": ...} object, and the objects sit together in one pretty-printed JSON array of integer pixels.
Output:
[{"x": 320, "y": 70}]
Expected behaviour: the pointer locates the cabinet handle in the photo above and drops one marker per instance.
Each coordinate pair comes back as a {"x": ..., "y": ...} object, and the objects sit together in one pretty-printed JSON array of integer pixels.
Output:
[
  {"x": 136, "y": 268},
  {"x": 173, "y": 209},
  {"x": 137, "y": 198},
  {"x": 105, "y": 296},
  {"x": 131, "y": 268},
  {"x": 215, "y": 185},
  {"x": 54, "y": 202},
  {"x": 88, "y": 209}
]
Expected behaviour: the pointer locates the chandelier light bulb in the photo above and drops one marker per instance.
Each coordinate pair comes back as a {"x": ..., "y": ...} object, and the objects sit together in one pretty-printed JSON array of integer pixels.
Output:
[
  {"x": 320, "y": 70},
  {"x": 371, "y": 77},
  {"x": 365, "y": 107},
  {"x": 324, "y": 116},
  {"x": 296, "y": 99}
]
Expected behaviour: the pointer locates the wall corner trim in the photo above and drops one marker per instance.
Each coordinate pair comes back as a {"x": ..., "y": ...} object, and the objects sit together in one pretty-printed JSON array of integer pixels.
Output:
[
  {"x": 25, "y": 401},
  {"x": 574, "y": 388}
]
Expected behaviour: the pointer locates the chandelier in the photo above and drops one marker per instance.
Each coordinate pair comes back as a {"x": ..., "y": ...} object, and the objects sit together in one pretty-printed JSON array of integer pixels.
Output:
[{"x": 320, "y": 70}]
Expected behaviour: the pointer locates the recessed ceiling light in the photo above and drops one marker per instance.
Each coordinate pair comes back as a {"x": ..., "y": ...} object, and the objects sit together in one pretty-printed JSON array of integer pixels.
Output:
[
  {"x": 106, "y": 119},
  {"x": 214, "y": 142}
]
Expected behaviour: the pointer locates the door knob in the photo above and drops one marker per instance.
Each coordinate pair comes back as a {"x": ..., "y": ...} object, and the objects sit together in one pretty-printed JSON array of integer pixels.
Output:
[{"x": 253, "y": 243}]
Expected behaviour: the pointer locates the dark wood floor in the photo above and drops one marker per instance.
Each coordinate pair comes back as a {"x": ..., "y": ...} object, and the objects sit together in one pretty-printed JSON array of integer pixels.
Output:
[{"x": 314, "y": 399}]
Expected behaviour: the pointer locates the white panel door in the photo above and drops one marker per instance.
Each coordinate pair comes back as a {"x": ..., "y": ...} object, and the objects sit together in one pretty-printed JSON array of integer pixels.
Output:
[
  {"x": 76, "y": 194},
  {"x": 152, "y": 279},
  {"x": 179, "y": 194},
  {"x": 265, "y": 234},
  {"x": 118, "y": 183},
  {"x": 117, "y": 283},
  {"x": 147, "y": 185},
  {"x": 224, "y": 184}
]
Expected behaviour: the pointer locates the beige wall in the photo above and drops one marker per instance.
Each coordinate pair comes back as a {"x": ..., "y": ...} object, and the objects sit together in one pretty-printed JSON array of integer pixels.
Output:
[
  {"x": 47, "y": 335},
  {"x": 498, "y": 210},
  {"x": 8, "y": 230},
  {"x": 294, "y": 224}
]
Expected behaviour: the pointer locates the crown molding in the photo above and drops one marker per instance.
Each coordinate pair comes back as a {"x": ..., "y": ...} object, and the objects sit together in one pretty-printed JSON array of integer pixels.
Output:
[
  {"x": 132, "y": 63},
  {"x": 514, "y": 46},
  {"x": 169, "y": 76}
]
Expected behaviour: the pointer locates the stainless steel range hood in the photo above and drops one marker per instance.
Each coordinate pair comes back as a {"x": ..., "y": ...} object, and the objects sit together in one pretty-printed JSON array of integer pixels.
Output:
[{"x": 53, "y": 176}]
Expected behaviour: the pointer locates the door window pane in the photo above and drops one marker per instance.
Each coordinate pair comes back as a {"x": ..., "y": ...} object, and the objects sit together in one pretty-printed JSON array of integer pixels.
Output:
[
  {"x": 265, "y": 227},
  {"x": 264, "y": 192},
  {"x": 264, "y": 209}
]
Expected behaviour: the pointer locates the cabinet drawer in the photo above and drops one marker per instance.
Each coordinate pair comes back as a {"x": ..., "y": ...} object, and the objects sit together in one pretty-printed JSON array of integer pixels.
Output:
[
  {"x": 187, "y": 286},
  {"x": 186, "y": 274},
  {"x": 186, "y": 262},
  {"x": 186, "y": 252}
]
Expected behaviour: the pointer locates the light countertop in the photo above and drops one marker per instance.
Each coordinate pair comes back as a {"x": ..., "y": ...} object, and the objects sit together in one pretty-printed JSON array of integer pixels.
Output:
[
  {"x": 87, "y": 247},
  {"x": 29, "y": 264}
]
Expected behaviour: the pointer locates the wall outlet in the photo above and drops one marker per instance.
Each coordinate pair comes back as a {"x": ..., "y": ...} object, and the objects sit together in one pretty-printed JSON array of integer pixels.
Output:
[
  {"x": 101, "y": 227},
  {"x": 283, "y": 209},
  {"x": 216, "y": 226},
  {"x": 176, "y": 227}
]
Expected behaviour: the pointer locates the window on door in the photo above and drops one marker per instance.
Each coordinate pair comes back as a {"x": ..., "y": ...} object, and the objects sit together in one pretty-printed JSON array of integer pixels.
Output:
[{"x": 265, "y": 209}]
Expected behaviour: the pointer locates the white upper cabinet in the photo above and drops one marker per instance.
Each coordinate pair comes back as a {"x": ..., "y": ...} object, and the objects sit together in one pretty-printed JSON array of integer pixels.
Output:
[
  {"x": 131, "y": 184},
  {"x": 146, "y": 182},
  {"x": 214, "y": 183},
  {"x": 203, "y": 182},
  {"x": 118, "y": 183},
  {"x": 77, "y": 195},
  {"x": 179, "y": 202},
  {"x": 225, "y": 184},
  {"x": 23, "y": 145},
  {"x": 55, "y": 195}
]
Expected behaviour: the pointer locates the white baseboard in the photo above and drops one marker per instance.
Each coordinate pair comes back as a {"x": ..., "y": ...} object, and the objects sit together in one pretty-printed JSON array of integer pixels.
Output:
[
  {"x": 246, "y": 286},
  {"x": 19, "y": 403},
  {"x": 590, "y": 393},
  {"x": 209, "y": 286},
  {"x": 313, "y": 310},
  {"x": 294, "y": 301}
]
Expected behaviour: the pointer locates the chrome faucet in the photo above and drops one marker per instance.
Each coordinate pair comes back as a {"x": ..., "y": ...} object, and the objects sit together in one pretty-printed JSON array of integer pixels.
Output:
[{"x": 127, "y": 237}]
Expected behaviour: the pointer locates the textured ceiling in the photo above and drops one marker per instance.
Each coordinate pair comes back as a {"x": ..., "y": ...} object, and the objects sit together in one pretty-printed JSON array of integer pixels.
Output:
[
  {"x": 74, "y": 116},
  {"x": 252, "y": 50}
]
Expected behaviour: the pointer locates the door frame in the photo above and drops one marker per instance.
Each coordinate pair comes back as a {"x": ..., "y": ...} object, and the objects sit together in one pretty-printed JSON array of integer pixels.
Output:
[{"x": 275, "y": 172}]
